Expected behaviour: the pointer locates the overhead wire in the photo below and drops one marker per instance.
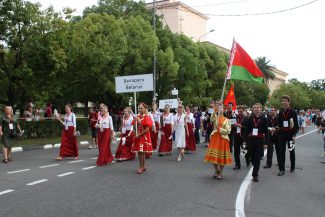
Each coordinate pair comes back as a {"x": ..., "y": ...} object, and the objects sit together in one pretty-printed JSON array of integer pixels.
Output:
[{"x": 250, "y": 14}]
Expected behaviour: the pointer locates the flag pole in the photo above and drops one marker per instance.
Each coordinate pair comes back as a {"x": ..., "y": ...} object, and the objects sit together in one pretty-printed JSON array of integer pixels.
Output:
[{"x": 231, "y": 58}]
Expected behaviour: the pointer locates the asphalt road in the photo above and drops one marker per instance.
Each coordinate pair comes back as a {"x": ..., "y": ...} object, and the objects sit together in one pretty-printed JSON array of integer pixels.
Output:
[{"x": 167, "y": 189}]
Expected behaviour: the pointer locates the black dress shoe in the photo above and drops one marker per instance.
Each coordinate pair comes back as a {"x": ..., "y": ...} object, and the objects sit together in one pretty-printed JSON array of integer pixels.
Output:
[
  {"x": 267, "y": 166},
  {"x": 236, "y": 168},
  {"x": 292, "y": 170},
  {"x": 255, "y": 179},
  {"x": 281, "y": 173},
  {"x": 248, "y": 163}
]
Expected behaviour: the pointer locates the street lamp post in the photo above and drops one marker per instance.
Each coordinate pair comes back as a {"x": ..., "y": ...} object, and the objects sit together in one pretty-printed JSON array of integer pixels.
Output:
[{"x": 212, "y": 30}]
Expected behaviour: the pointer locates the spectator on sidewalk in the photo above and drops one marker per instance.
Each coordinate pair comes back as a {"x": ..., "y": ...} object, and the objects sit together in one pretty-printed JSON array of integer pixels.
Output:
[
  {"x": 93, "y": 119},
  {"x": 28, "y": 113},
  {"x": 8, "y": 130},
  {"x": 48, "y": 111}
]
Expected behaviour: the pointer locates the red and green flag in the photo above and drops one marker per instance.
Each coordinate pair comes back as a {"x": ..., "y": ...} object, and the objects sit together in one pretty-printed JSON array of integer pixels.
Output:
[{"x": 242, "y": 67}]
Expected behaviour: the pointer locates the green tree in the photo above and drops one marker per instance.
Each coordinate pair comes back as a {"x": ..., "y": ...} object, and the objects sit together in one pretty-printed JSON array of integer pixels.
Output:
[
  {"x": 264, "y": 65},
  {"x": 318, "y": 84},
  {"x": 248, "y": 93},
  {"x": 299, "y": 96}
]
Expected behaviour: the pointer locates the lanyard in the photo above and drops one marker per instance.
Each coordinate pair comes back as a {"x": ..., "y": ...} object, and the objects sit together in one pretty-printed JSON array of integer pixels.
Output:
[
  {"x": 178, "y": 118},
  {"x": 240, "y": 118},
  {"x": 273, "y": 121},
  {"x": 286, "y": 114},
  {"x": 256, "y": 124}
]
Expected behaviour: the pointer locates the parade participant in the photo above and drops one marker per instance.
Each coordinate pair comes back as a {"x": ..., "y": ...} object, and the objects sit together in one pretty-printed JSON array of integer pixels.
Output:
[
  {"x": 93, "y": 118},
  {"x": 229, "y": 114},
  {"x": 28, "y": 113},
  {"x": 321, "y": 128},
  {"x": 166, "y": 132},
  {"x": 123, "y": 151},
  {"x": 238, "y": 137},
  {"x": 105, "y": 133},
  {"x": 190, "y": 140},
  {"x": 69, "y": 143},
  {"x": 303, "y": 122},
  {"x": 209, "y": 122},
  {"x": 198, "y": 123},
  {"x": 218, "y": 152},
  {"x": 273, "y": 138},
  {"x": 288, "y": 124},
  {"x": 156, "y": 115},
  {"x": 142, "y": 142},
  {"x": 8, "y": 130},
  {"x": 255, "y": 137},
  {"x": 180, "y": 126}
]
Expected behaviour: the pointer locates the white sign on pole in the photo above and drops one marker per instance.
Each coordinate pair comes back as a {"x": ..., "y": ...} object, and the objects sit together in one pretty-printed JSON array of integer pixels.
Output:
[
  {"x": 174, "y": 92},
  {"x": 173, "y": 103},
  {"x": 134, "y": 83}
]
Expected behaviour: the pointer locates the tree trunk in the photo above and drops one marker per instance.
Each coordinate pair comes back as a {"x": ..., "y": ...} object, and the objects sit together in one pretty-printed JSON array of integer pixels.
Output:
[{"x": 86, "y": 108}]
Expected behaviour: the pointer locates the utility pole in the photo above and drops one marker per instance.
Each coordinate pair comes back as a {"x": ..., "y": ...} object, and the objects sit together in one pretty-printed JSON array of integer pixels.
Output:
[{"x": 154, "y": 55}]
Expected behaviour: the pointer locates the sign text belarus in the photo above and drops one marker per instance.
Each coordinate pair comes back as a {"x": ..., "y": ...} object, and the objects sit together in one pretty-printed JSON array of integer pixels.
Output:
[{"x": 134, "y": 83}]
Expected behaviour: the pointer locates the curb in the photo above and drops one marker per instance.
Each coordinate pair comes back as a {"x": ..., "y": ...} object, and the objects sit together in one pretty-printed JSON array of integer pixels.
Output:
[{"x": 41, "y": 147}]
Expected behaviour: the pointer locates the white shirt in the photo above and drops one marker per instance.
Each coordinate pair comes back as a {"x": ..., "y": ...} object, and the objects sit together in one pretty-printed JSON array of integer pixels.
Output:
[
  {"x": 156, "y": 116},
  {"x": 127, "y": 124},
  {"x": 105, "y": 123},
  {"x": 190, "y": 118},
  {"x": 180, "y": 120},
  {"x": 169, "y": 119},
  {"x": 70, "y": 121}
]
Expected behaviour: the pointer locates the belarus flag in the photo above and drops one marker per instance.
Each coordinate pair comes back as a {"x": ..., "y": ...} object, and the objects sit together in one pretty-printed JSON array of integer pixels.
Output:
[{"x": 242, "y": 67}]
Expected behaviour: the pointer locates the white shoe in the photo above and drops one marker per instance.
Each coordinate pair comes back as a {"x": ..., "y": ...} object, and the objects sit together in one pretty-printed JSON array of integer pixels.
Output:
[
  {"x": 179, "y": 158},
  {"x": 90, "y": 147}
]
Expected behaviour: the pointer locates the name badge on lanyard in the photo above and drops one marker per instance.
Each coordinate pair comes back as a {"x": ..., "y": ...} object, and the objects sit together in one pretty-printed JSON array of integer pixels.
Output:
[
  {"x": 238, "y": 130},
  {"x": 102, "y": 127},
  {"x": 255, "y": 131},
  {"x": 66, "y": 123},
  {"x": 11, "y": 126},
  {"x": 285, "y": 123}
]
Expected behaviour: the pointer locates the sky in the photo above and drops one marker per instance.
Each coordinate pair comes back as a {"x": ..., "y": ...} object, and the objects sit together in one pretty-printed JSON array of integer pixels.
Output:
[{"x": 293, "y": 41}]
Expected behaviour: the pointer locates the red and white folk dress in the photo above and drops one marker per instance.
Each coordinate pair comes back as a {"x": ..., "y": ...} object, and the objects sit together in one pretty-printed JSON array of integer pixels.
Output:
[
  {"x": 154, "y": 135},
  {"x": 105, "y": 125},
  {"x": 69, "y": 143},
  {"x": 190, "y": 139},
  {"x": 143, "y": 143},
  {"x": 166, "y": 136},
  {"x": 123, "y": 151}
]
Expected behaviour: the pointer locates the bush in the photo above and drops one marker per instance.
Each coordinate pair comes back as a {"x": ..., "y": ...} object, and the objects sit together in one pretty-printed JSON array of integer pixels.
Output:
[{"x": 49, "y": 128}]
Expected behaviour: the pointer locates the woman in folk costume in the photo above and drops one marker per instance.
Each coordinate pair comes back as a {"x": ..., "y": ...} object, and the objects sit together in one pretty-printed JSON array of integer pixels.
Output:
[
  {"x": 166, "y": 132},
  {"x": 218, "y": 152},
  {"x": 190, "y": 140},
  {"x": 180, "y": 127},
  {"x": 69, "y": 143},
  {"x": 156, "y": 115},
  {"x": 105, "y": 134},
  {"x": 142, "y": 141},
  {"x": 123, "y": 151}
]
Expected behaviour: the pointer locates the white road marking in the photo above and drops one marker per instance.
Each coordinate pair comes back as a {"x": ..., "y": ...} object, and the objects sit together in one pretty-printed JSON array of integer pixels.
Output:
[
  {"x": 6, "y": 191},
  {"x": 37, "y": 182},
  {"x": 51, "y": 165},
  {"x": 240, "y": 199},
  {"x": 94, "y": 158},
  {"x": 88, "y": 168},
  {"x": 18, "y": 171},
  {"x": 75, "y": 161},
  {"x": 65, "y": 174}
]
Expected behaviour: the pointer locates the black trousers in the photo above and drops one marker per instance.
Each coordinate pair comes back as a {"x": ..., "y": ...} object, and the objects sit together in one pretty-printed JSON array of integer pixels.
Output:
[
  {"x": 272, "y": 143},
  {"x": 197, "y": 135},
  {"x": 231, "y": 141},
  {"x": 284, "y": 140},
  {"x": 238, "y": 143},
  {"x": 255, "y": 148}
]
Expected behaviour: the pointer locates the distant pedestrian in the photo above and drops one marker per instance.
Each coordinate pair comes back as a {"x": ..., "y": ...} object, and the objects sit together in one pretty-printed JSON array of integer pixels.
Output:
[
  {"x": 93, "y": 119},
  {"x": 48, "y": 111},
  {"x": 142, "y": 142},
  {"x": 105, "y": 134},
  {"x": 28, "y": 113},
  {"x": 218, "y": 152},
  {"x": 69, "y": 143},
  {"x": 198, "y": 123},
  {"x": 8, "y": 131},
  {"x": 303, "y": 122}
]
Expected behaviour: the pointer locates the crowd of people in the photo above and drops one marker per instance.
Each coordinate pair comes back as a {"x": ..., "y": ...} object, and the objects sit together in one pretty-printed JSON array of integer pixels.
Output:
[{"x": 229, "y": 133}]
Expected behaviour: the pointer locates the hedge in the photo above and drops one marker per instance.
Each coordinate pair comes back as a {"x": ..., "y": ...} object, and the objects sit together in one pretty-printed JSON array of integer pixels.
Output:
[{"x": 49, "y": 128}]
